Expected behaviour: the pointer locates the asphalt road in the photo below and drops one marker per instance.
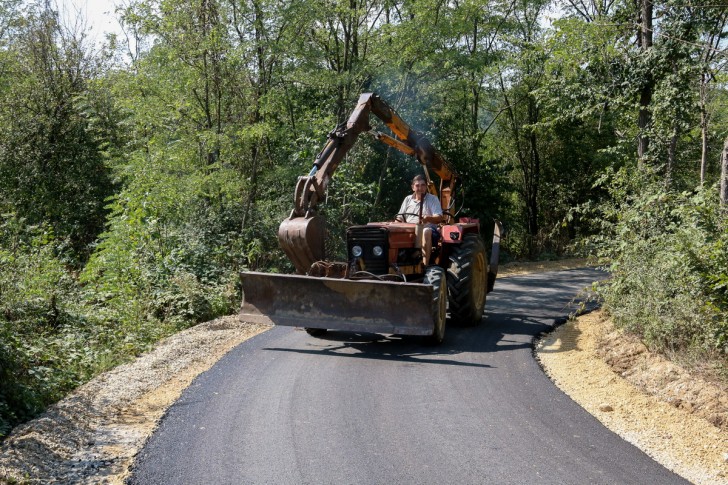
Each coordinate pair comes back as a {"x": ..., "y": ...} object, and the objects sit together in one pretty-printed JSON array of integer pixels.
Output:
[{"x": 287, "y": 408}]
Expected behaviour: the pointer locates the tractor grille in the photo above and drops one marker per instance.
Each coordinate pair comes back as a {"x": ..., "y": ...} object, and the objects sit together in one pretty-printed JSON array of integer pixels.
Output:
[{"x": 367, "y": 238}]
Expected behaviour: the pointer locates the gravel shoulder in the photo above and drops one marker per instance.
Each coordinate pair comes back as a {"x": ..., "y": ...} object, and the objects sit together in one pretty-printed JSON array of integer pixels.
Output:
[
  {"x": 93, "y": 435},
  {"x": 678, "y": 419}
]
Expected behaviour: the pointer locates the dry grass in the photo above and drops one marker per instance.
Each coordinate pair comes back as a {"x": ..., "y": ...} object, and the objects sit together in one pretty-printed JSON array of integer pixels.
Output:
[{"x": 525, "y": 267}]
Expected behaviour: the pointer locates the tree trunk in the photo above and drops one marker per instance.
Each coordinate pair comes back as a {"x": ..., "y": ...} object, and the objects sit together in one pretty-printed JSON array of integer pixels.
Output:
[
  {"x": 530, "y": 161},
  {"x": 533, "y": 229},
  {"x": 645, "y": 44},
  {"x": 724, "y": 178},
  {"x": 260, "y": 89},
  {"x": 703, "y": 129}
]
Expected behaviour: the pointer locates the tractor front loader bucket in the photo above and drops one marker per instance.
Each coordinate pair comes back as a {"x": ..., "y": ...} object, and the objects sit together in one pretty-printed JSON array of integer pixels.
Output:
[{"x": 338, "y": 304}]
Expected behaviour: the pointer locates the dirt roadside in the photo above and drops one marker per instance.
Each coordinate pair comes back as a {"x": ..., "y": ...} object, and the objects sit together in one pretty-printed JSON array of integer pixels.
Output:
[
  {"x": 93, "y": 435},
  {"x": 677, "y": 418}
]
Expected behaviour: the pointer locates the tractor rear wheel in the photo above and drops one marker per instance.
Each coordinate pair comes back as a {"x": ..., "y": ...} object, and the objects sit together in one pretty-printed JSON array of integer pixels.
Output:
[
  {"x": 435, "y": 276},
  {"x": 467, "y": 279}
]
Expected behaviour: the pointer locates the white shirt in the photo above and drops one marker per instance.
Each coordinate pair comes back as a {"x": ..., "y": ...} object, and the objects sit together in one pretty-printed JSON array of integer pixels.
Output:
[{"x": 411, "y": 206}]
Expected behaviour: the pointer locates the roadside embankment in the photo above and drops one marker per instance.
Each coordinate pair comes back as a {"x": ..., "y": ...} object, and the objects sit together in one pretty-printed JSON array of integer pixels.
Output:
[{"x": 677, "y": 418}]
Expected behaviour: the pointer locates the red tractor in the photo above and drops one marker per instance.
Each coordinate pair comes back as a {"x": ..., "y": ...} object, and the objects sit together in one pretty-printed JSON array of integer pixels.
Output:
[{"x": 384, "y": 286}]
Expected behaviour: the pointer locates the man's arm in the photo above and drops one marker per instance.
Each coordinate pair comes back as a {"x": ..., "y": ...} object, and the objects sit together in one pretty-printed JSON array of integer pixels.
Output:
[{"x": 433, "y": 219}]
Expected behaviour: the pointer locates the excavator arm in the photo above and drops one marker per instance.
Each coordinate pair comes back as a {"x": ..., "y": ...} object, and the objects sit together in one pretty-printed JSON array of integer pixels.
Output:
[{"x": 302, "y": 234}]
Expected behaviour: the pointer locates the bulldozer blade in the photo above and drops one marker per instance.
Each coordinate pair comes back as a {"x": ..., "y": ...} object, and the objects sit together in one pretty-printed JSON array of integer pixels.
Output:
[{"x": 338, "y": 304}]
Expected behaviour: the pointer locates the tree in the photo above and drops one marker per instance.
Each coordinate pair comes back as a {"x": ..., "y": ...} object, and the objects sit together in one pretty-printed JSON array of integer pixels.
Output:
[
  {"x": 724, "y": 177},
  {"x": 51, "y": 157},
  {"x": 713, "y": 23},
  {"x": 645, "y": 44},
  {"x": 518, "y": 85}
]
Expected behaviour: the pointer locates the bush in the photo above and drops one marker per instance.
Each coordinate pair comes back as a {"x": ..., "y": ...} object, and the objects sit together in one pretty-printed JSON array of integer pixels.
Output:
[
  {"x": 669, "y": 267},
  {"x": 47, "y": 344},
  {"x": 139, "y": 286}
]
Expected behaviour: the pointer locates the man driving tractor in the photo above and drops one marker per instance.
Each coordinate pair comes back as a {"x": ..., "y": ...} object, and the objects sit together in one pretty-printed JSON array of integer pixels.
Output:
[{"x": 422, "y": 208}]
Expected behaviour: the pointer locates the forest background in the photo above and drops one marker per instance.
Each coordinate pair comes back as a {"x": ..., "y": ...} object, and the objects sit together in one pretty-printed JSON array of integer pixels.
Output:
[{"x": 138, "y": 178}]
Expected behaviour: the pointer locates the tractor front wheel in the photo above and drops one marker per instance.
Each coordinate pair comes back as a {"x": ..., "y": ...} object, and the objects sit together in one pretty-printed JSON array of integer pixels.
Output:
[
  {"x": 467, "y": 278},
  {"x": 435, "y": 276}
]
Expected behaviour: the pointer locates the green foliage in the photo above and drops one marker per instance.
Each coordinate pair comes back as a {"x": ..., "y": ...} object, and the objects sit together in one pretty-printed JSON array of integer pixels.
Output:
[
  {"x": 668, "y": 265},
  {"x": 48, "y": 339},
  {"x": 50, "y": 157}
]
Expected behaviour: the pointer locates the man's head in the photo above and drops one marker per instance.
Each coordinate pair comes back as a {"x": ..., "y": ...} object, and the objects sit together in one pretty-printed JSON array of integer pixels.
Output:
[{"x": 419, "y": 185}]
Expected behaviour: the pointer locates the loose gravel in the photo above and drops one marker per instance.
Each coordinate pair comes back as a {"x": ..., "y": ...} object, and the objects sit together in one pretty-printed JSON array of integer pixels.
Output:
[
  {"x": 93, "y": 435},
  {"x": 677, "y": 419}
]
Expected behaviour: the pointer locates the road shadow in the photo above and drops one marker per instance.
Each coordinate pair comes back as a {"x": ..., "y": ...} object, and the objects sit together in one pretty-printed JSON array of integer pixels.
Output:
[
  {"x": 497, "y": 333},
  {"x": 373, "y": 346},
  {"x": 521, "y": 309}
]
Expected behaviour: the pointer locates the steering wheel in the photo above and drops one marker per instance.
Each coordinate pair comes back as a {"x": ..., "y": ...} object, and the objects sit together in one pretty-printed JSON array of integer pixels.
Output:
[
  {"x": 444, "y": 213},
  {"x": 404, "y": 214}
]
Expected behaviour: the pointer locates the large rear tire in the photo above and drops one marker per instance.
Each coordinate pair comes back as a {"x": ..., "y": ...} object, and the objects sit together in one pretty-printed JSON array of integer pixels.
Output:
[
  {"x": 467, "y": 280},
  {"x": 435, "y": 276}
]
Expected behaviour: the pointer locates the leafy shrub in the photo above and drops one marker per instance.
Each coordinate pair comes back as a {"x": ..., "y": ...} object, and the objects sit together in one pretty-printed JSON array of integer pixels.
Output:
[
  {"x": 669, "y": 268},
  {"x": 47, "y": 343},
  {"x": 56, "y": 333}
]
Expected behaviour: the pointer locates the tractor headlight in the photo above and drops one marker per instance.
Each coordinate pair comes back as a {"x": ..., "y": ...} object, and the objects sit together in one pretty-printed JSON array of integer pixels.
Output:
[
  {"x": 377, "y": 251},
  {"x": 356, "y": 251}
]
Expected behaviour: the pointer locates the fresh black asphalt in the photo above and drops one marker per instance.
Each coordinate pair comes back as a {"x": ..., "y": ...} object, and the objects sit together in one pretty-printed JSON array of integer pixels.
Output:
[{"x": 287, "y": 408}]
